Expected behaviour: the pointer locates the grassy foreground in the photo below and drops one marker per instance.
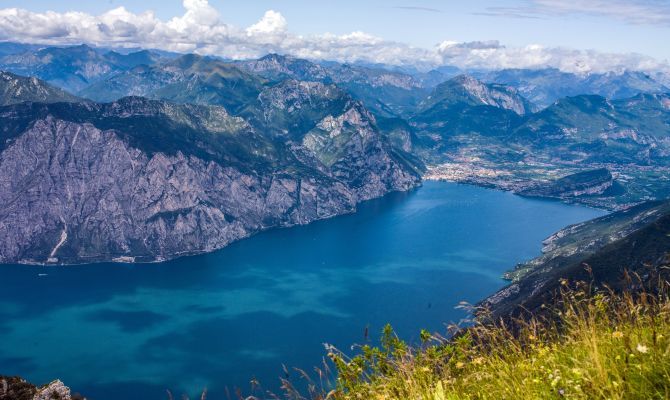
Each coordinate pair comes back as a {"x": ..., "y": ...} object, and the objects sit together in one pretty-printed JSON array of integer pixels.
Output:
[{"x": 587, "y": 346}]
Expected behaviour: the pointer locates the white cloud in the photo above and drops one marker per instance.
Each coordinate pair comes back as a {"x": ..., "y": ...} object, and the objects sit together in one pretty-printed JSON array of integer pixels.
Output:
[
  {"x": 272, "y": 23},
  {"x": 201, "y": 29},
  {"x": 491, "y": 53},
  {"x": 651, "y": 12}
]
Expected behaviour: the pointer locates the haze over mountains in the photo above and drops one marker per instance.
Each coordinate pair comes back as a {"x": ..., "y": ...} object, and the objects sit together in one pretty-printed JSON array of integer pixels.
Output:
[{"x": 123, "y": 168}]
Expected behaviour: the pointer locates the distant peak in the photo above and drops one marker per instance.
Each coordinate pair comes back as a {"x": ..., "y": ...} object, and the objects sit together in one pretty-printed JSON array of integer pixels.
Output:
[{"x": 279, "y": 58}]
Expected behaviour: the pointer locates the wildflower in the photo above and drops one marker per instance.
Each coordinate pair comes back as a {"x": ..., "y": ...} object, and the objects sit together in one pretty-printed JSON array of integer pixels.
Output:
[
  {"x": 617, "y": 334},
  {"x": 460, "y": 365},
  {"x": 642, "y": 348},
  {"x": 478, "y": 361}
]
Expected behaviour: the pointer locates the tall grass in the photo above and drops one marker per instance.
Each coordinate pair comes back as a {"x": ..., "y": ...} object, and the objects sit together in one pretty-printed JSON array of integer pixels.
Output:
[{"x": 589, "y": 345}]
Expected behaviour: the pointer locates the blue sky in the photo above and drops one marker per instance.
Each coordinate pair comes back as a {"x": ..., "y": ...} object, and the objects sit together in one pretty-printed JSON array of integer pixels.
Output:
[{"x": 614, "y": 26}]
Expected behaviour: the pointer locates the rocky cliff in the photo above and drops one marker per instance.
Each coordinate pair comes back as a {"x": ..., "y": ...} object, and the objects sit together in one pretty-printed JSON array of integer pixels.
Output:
[{"x": 141, "y": 180}]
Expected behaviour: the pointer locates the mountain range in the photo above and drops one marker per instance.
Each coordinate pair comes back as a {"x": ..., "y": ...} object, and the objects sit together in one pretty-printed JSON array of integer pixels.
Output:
[{"x": 157, "y": 155}]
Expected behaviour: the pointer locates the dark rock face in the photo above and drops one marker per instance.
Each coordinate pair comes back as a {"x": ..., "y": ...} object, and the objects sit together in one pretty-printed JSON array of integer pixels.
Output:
[
  {"x": 586, "y": 183},
  {"x": 75, "y": 191}
]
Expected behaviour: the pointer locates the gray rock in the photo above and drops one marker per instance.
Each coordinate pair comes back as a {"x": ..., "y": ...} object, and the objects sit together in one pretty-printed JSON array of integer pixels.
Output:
[
  {"x": 74, "y": 193},
  {"x": 54, "y": 390}
]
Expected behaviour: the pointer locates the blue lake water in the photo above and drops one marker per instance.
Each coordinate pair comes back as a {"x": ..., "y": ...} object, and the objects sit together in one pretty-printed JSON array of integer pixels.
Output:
[{"x": 218, "y": 320}]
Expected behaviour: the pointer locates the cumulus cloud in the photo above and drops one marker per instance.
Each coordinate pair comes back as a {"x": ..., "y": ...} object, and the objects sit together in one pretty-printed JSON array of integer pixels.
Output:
[
  {"x": 474, "y": 55},
  {"x": 201, "y": 30}
]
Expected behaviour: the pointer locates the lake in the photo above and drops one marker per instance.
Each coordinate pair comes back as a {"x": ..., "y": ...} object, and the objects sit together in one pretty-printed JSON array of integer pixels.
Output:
[{"x": 115, "y": 331}]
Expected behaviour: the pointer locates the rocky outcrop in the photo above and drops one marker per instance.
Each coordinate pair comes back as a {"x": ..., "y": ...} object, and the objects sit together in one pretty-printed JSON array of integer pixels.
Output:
[
  {"x": 15, "y": 388},
  {"x": 75, "y": 192},
  {"x": 54, "y": 390}
]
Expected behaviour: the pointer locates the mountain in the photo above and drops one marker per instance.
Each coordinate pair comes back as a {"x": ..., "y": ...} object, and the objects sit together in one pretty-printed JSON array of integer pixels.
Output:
[
  {"x": 205, "y": 80},
  {"x": 463, "y": 106},
  {"x": 7, "y": 48},
  {"x": 278, "y": 67},
  {"x": 605, "y": 251},
  {"x": 545, "y": 86},
  {"x": 148, "y": 180},
  {"x": 250, "y": 88},
  {"x": 465, "y": 89},
  {"x": 72, "y": 68},
  {"x": 16, "y": 89},
  {"x": 591, "y": 128},
  {"x": 386, "y": 93},
  {"x": 470, "y": 130},
  {"x": 586, "y": 183},
  {"x": 186, "y": 79},
  {"x": 490, "y": 146}
]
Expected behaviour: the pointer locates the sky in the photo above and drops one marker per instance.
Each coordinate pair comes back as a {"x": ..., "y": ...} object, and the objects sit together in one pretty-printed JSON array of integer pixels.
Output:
[{"x": 573, "y": 35}]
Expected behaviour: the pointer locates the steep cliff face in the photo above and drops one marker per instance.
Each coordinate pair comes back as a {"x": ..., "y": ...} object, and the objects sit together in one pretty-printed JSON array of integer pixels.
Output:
[{"x": 78, "y": 186}]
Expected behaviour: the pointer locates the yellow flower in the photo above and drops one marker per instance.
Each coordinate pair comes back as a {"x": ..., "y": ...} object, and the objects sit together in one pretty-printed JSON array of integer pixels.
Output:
[
  {"x": 478, "y": 361},
  {"x": 460, "y": 365},
  {"x": 642, "y": 348},
  {"x": 617, "y": 334}
]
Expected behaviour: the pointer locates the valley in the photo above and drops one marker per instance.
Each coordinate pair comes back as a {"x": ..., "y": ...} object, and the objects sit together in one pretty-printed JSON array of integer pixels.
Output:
[
  {"x": 131, "y": 178},
  {"x": 344, "y": 200}
]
